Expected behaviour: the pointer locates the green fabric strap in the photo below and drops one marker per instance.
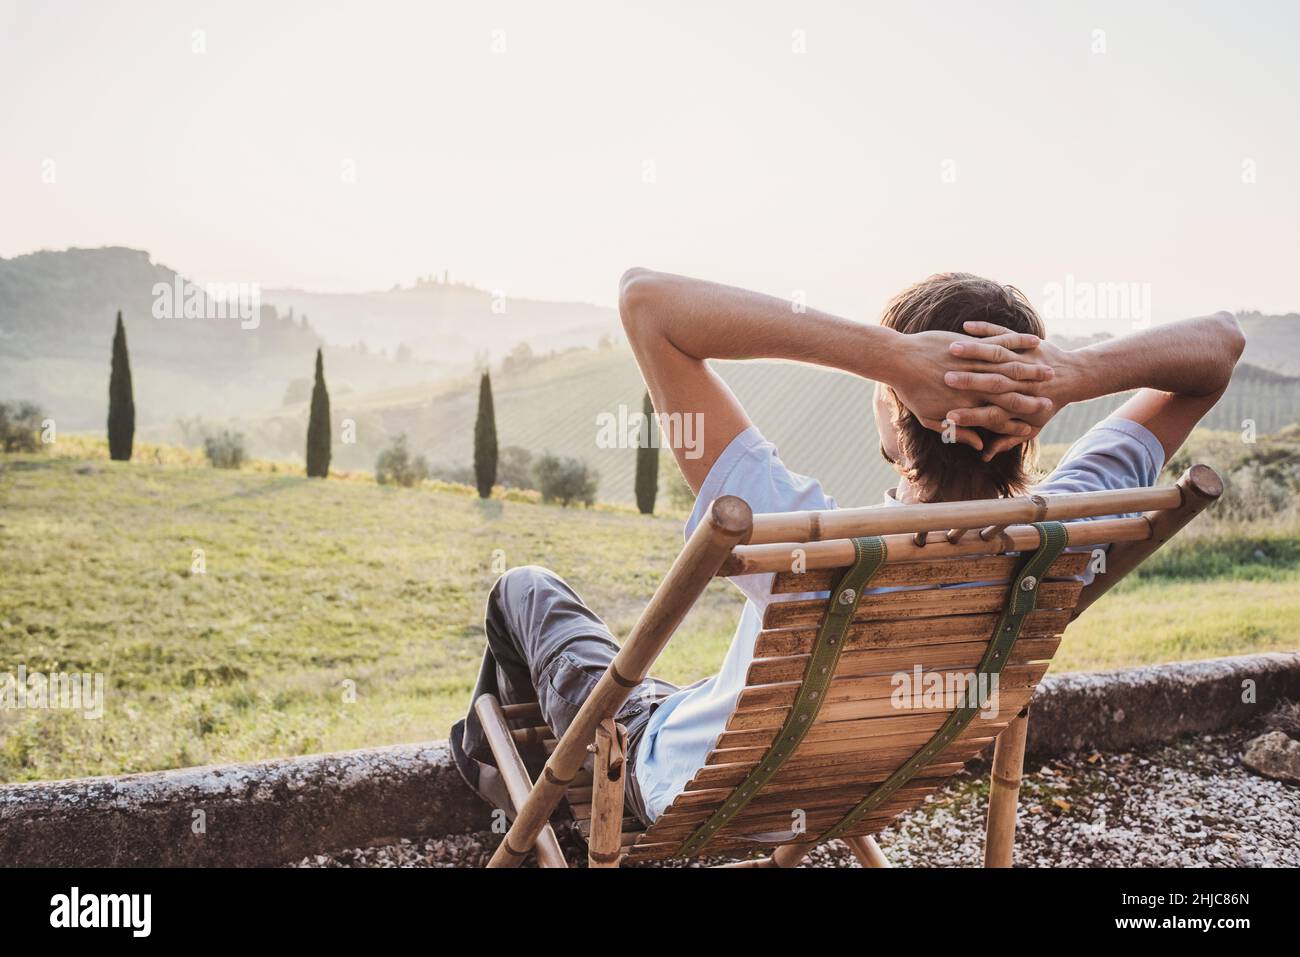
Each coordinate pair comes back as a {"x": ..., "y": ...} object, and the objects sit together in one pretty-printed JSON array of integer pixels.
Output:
[
  {"x": 1022, "y": 600},
  {"x": 840, "y": 609}
]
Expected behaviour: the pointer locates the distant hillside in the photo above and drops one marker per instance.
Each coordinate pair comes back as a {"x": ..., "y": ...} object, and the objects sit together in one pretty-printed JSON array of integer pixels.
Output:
[
  {"x": 1272, "y": 342},
  {"x": 449, "y": 322},
  {"x": 553, "y": 405},
  {"x": 56, "y": 320},
  {"x": 56, "y": 323}
]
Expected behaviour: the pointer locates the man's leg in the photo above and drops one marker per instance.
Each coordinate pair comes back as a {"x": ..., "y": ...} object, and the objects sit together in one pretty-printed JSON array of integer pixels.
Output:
[{"x": 545, "y": 645}]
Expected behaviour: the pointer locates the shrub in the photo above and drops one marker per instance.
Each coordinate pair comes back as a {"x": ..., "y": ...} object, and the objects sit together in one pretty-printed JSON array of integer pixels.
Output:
[
  {"x": 396, "y": 467},
  {"x": 225, "y": 451},
  {"x": 20, "y": 426},
  {"x": 515, "y": 468},
  {"x": 680, "y": 496},
  {"x": 298, "y": 390},
  {"x": 566, "y": 480}
]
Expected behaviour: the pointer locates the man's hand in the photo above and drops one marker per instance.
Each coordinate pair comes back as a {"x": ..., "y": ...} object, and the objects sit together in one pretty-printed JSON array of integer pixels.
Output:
[
  {"x": 1180, "y": 370},
  {"x": 1001, "y": 376},
  {"x": 1017, "y": 426}
]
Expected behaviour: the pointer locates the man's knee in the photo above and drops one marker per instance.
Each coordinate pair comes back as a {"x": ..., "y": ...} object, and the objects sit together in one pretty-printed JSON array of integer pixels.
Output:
[
  {"x": 516, "y": 595},
  {"x": 523, "y": 580}
]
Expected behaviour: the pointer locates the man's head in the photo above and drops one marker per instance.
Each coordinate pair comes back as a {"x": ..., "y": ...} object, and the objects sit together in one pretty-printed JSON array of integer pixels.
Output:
[{"x": 944, "y": 470}]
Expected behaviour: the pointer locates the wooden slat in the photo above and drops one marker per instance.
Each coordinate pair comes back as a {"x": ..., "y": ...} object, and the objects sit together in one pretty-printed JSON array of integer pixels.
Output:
[
  {"x": 661, "y": 850},
  {"x": 711, "y": 798},
  {"x": 815, "y": 821},
  {"x": 851, "y": 710},
  {"x": 782, "y": 694},
  {"x": 528, "y": 711},
  {"x": 942, "y": 516},
  {"x": 839, "y": 552},
  {"x": 945, "y": 571},
  {"x": 908, "y": 632},
  {"x": 830, "y": 769},
  {"x": 754, "y": 820},
  {"x": 929, "y": 603},
  {"x": 650, "y": 848},
  {"x": 538, "y": 734},
  {"x": 837, "y": 730},
  {"x": 630, "y": 825},
  {"x": 962, "y": 655},
  {"x": 854, "y": 748},
  {"x": 783, "y": 802}
]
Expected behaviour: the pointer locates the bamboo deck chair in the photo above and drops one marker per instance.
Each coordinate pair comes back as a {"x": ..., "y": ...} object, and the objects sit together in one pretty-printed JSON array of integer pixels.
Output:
[{"x": 816, "y": 748}]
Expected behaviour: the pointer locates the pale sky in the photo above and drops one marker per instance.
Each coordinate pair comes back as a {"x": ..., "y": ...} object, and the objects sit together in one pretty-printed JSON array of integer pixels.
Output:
[{"x": 1009, "y": 139}]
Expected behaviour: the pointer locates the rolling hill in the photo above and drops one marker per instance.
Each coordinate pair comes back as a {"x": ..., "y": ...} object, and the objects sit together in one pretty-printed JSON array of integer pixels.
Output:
[
  {"x": 449, "y": 322},
  {"x": 57, "y": 312},
  {"x": 57, "y": 308},
  {"x": 553, "y": 406}
]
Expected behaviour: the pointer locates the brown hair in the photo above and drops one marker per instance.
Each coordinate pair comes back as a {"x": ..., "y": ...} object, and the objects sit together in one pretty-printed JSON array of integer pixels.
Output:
[{"x": 952, "y": 470}]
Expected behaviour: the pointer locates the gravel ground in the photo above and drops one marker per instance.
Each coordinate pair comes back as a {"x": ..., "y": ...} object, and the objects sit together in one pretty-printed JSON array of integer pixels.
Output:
[{"x": 1187, "y": 804}]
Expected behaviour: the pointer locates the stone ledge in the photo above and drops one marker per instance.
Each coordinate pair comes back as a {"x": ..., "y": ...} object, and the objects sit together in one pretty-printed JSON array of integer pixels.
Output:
[
  {"x": 272, "y": 812},
  {"x": 263, "y": 813},
  {"x": 1132, "y": 707}
]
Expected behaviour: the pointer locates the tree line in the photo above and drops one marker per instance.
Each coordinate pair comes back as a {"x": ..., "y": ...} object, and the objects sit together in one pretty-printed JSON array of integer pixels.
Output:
[{"x": 563, "y": 480}]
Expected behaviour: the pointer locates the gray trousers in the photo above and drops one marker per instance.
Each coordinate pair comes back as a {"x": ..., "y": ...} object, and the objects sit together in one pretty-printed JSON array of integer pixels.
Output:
[{"x": 545, "y": 645}]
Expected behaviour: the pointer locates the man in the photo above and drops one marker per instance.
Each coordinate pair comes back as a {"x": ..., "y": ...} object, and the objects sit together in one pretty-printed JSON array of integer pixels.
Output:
[{"x": 965, "y": 381}]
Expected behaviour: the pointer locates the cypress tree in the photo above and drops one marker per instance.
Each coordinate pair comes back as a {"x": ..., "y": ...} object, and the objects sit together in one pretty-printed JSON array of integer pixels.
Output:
[
  {"x": 647, "y": 463},
  {"x": 121, "y": 399},
  {"x": 318, "y": 426},
  {"x": 485, "y": 440}
]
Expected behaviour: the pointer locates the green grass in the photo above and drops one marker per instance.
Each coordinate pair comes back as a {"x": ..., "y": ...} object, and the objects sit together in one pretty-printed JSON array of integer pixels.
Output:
[{"x": 310, "y": 585}]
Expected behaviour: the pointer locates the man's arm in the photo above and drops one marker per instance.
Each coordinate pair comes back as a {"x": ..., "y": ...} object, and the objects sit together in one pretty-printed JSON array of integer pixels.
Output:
[
  {"x": 1180, "y": 369},
  {"x": 675, "y": 324}
]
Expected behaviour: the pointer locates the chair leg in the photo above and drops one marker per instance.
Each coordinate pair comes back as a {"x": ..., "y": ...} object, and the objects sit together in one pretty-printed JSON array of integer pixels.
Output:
[
  {"x": 515, "y": 775},
  {"x": 787, "y": 855},
  {"x": 1004, "y": 791},
  {"x": 791, "y": 855},
  {"x": 867, "y": 851},
  {"x": 606, "y": 838}
]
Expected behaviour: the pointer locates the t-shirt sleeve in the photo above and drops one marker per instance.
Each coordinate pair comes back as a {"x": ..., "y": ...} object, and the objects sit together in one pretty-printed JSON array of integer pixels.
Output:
[
  {"x": 750, "y": 468},
  {"x": 1114, "y": 453}
]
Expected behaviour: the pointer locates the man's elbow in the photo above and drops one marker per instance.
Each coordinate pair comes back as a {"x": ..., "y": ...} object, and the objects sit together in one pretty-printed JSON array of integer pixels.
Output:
[
  {"x": 1233, "y": 341},
  {"x": 636, "y": 294}
]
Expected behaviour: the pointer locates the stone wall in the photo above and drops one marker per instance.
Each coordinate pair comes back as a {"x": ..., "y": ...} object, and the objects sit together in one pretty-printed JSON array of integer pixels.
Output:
[{"x": 272, "y": 812}]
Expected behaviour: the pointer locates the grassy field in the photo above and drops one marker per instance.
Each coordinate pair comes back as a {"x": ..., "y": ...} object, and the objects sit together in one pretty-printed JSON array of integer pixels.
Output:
[{"x": 313, "y": 588}]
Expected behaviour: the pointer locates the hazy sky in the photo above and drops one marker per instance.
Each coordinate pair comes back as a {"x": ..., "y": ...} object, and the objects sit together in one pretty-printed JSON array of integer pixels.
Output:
[{"x": 1010, "y": 139}]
